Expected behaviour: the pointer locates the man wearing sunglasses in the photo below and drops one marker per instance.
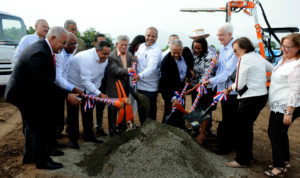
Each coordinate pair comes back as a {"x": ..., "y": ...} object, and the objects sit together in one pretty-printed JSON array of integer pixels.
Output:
[{"x": 62, "y": 67}]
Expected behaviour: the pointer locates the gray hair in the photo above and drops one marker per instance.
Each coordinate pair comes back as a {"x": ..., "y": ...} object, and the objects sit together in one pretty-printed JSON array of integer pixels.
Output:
[
  {"x": 176, "y": 42},
  {"x": 227, "y": 27},
  {"x": 153, "y": 28},
  {"x": 122, "y": 38},
  {"x": 68, "y": 22},
  {"x": 37, "y": 23},
  {"x": 56, "y": 31}
]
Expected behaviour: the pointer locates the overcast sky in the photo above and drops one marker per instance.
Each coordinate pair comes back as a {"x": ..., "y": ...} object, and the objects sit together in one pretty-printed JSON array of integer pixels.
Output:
[{"x": 132, "y": 17}]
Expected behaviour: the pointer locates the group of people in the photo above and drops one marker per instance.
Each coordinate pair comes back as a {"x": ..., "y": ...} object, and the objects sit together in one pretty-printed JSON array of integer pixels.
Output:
[{"x": 52, "y": 65}]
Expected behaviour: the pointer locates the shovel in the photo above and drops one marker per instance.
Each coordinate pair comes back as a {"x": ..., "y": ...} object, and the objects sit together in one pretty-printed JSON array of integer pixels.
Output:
[
  {"x": 178, "y": 106},
  {"x": 196, "y": 117}
]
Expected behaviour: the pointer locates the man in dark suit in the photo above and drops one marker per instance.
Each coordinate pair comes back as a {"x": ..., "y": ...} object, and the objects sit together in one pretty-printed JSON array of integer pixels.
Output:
[
  {"x": 33, "y": 90},
  {"x": 176, "y": 68},
  {"x": 119, "y": 63}
]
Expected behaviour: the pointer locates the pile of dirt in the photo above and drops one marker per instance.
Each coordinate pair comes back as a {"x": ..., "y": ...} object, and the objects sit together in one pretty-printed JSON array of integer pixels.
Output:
[{"x": 156, "y": 150}]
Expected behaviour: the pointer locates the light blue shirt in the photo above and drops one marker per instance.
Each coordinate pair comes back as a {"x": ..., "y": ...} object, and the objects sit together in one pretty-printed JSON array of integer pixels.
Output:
[
  {"x": 148, "y": 67},
  {"x": 226, "y": 65},
  {"x": 182, "y": 68},
  {"x": 25, "y": 41},
  {"x": 62, "y": 61}
]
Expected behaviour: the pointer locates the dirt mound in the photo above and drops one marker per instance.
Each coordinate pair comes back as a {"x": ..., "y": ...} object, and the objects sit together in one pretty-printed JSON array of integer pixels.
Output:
[{"x": 156, "y": 150}]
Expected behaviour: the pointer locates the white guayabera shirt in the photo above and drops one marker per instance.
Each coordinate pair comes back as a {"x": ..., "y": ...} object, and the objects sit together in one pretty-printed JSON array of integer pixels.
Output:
[
  {"x": 86, "y": 71},
  {"x": 148, "y": 67}
]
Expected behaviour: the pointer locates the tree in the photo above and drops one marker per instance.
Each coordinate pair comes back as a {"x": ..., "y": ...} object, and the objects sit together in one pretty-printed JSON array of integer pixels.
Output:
[
  {"x": 273, "y": 45},
  {"x": 30, "y": 30},
  {"x": 89, "y": 35},
  {"x": 165, "y": 48}
]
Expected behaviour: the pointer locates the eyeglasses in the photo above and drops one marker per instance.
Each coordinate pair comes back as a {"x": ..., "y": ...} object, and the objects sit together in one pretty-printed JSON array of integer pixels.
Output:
[{"x": 287, "y": 47}]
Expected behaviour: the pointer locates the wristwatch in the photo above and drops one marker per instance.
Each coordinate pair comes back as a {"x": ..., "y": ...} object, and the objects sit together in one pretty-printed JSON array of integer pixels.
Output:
[{"x": 288, "y": 113}]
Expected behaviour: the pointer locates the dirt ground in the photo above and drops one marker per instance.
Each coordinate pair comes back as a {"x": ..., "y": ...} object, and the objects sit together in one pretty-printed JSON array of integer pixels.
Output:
[{"x": 12, "y": 140}]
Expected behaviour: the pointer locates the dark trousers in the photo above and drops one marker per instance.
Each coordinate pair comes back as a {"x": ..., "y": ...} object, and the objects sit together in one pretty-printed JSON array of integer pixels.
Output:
[
  {"x": 278, "y": 134},
  {"x": 227, "y": 127},
  {"x": 248, "y": 111},
  {"x": 60, "y": 115},
  {"x": 112, "y": 121},
  {"x": 37, "y": 130},
  {"x": 87, "y": 121},
  {"x": 99, "y": 115},
  {"x": 152, "y": 96},
  {"x": 176, "y": 119},
  {"x": 72, "y": 122}
]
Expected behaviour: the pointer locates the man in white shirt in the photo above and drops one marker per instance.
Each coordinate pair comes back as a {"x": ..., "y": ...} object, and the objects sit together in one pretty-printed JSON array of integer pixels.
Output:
[
  {"x": 148, "y": 71},
  {"x": 171, "y": 38},
  {"x": 41, "y": 30},
  {"x": 226, "y": 65},
  {"x": 62, "y": 61},
  {"x": 86, "y": 72}
]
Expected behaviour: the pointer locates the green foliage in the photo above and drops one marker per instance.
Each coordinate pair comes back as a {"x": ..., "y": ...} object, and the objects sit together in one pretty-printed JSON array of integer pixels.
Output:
[
  {"x": 167, "y": 46},
  {"x": 217, "y": 50},
  {"x": 273, "y": 45},
  {"x": 89, "y": 35},
  {"x": 13, "y": 34},
  {"x": 30, "y": 30}
]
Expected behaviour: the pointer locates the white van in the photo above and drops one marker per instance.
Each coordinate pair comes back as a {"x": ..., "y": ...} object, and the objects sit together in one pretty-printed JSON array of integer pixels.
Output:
[{"x": 12, "y": 29}]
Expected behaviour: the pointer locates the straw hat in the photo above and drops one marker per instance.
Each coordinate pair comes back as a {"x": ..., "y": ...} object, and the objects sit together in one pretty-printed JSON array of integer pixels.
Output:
[{"x": 197, "y": 33}]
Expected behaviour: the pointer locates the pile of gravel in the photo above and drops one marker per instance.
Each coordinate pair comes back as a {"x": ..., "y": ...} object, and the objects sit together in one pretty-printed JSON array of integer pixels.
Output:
[{"x": 156, "y": 150}]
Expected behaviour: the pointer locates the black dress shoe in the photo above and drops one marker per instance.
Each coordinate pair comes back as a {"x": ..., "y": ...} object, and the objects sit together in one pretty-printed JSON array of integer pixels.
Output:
[
  {"x": 101, "y": 132},
  {"x": 93, "y": 139},
  {"x": 56, "y": 152},
  {"x": 74, "y": 145},
  {"x": 50, "y": 165}
]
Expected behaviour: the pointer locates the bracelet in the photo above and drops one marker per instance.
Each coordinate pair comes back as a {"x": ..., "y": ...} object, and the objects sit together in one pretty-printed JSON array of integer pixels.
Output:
[{"x": 288, "y": 113}]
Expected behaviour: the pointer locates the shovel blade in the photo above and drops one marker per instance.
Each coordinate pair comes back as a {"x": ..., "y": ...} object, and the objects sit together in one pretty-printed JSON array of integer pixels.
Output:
[{"x": 197, "y": 116}]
